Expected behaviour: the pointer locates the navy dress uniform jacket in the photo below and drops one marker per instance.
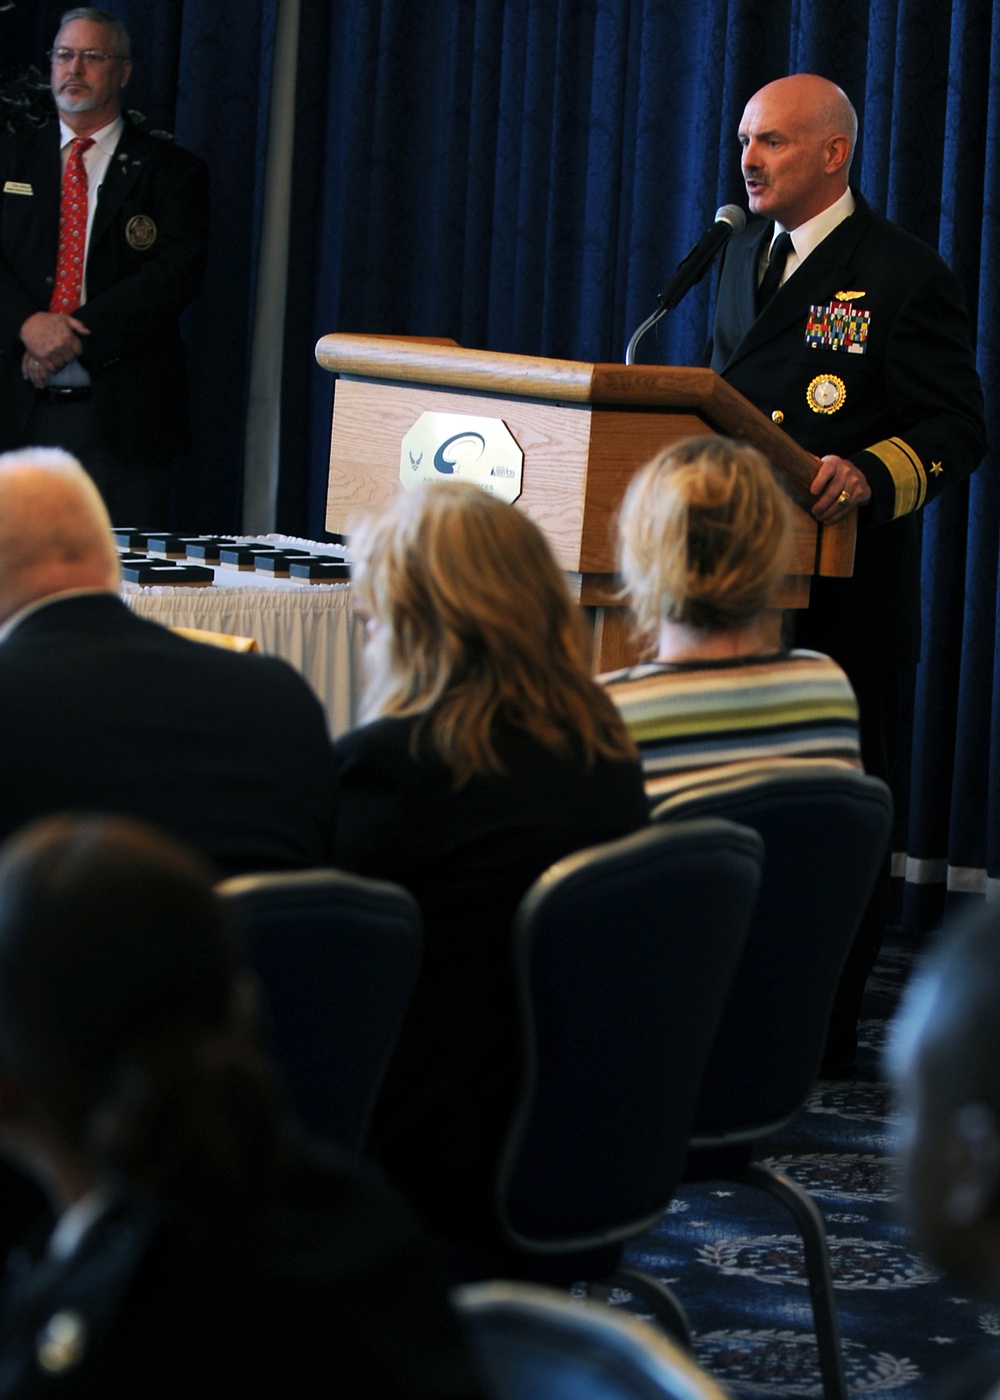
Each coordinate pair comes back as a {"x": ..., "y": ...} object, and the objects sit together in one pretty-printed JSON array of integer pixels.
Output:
[
  {"x": 865, "y": 352},
  {"x": 145, "y": 261},
  {"x": 321, "y": 1284}
]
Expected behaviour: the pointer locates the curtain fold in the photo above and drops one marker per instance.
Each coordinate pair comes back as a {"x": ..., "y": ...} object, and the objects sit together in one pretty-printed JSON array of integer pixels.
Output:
[
  {"x": 523, "y": 175},
  {"x": 570, "y": 153}
]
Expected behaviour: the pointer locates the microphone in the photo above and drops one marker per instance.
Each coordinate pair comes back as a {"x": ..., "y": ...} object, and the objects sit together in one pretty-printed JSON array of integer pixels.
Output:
[{"x": 729, "y": 219}]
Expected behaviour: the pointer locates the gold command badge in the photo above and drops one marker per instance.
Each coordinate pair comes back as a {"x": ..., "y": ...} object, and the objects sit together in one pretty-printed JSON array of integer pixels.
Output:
[
  {"x": 140, "y": 232},
  {"x": 826, "y": 393}
]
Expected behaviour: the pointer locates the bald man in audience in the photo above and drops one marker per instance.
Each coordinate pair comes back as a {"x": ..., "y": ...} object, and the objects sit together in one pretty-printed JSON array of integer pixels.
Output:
[
  {"x": 944, "y": 1057},
  {"x": 101, "y": 710}
]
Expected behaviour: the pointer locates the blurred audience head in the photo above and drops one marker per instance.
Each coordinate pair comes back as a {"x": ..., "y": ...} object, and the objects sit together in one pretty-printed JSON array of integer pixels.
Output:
[
  {"x": 55, "y": 533},
  {"x": 944, "y": 1060},
  {"x": 125, "y": 1047},
  {"x": 469, "y": 619},
  {"x": 704, "y": 534}
]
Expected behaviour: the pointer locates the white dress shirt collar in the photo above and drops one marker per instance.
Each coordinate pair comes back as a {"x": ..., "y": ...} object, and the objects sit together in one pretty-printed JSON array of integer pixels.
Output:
[
  {"x": 808, "y": 236},
  {"x": 75, "y": 1221},
  {"x": 106, "y": 137}
]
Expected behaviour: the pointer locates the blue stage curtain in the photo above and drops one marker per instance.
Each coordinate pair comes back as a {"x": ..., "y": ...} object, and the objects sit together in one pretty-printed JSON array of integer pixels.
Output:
[{"x": 522, "y": 175}]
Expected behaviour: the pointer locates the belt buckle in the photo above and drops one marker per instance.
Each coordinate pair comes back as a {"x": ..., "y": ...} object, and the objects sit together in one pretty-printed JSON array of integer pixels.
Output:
[{"x": 68, "y": 393}]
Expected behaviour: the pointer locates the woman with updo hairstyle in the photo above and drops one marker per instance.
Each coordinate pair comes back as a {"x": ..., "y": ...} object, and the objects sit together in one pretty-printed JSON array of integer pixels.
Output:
[
  {"x": 704, "y": 542},
  {"x": 202, "y": 1246},
  {"x": 486, "y": 752}
]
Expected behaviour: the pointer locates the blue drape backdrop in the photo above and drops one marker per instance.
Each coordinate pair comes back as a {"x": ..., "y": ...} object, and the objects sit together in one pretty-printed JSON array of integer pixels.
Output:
[{"x": 521, "y": 175}]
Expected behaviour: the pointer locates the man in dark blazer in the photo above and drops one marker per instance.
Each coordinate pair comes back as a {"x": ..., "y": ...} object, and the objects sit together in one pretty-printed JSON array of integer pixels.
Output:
[
  {"x": 107, "y": 379},
  {"x": 864, "y": 355},
  {"x": 102, "y": 710}
]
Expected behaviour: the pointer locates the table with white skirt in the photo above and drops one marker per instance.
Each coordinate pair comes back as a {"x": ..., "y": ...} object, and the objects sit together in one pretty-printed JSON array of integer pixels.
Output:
[{"x": 310, "y": 625}]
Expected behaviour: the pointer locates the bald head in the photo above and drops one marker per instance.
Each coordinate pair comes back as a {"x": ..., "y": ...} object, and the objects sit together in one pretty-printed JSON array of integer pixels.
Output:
[
  {"x": 55, "y": 533},
  {"x": 798, "y": 136},
  {"x": 819, "y": 105}
]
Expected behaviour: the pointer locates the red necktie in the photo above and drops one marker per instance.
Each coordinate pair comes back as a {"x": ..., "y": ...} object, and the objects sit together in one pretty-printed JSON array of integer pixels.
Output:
[{"x": 72, "y": 229}]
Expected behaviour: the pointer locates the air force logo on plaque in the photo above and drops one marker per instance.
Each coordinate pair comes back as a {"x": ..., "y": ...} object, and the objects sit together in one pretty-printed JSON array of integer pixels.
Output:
[
  {"x": 460, "y": 447},
  {"x": 140, "y": 232}
]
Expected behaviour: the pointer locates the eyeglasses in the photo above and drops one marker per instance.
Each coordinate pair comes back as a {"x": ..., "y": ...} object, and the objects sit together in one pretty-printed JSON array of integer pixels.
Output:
[{"x": 90, "y": 58}]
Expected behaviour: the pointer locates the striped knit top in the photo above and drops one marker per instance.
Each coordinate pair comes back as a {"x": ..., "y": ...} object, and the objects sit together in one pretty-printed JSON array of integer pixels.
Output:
[{"x": 735, "y": 714}]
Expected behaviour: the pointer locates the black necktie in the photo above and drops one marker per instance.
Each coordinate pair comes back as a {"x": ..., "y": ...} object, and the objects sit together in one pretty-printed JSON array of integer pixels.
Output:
[{"x": 771, "y": 280}]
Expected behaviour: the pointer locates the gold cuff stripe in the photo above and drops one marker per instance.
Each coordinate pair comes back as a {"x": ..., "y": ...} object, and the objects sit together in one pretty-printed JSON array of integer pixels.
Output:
[{"x": 907, "y": 472}]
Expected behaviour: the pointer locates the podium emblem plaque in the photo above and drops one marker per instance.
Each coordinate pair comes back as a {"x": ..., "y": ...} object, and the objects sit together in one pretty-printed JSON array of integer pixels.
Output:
[{"x": 462, "y": 447}]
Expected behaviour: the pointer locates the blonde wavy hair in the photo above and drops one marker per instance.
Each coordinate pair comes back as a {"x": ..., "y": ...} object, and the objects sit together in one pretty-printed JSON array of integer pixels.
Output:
[
  {"x": 470, "y": 620},
  {"x": 704, "y": 536}
]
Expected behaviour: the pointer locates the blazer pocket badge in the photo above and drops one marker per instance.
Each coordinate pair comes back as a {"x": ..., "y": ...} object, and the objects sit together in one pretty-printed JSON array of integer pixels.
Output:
[
  {"x": 16, "y": 187},
  {"x": 140, "y": 232},
  {"x": 838, "y": 326}
]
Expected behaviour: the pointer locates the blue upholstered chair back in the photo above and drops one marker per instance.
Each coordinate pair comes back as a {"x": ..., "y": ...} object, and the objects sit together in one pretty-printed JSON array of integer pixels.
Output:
[
  {"x": 825, "y": 829},
  {"x": 534, "y": 1343},
  {"x": 623, "y": 956},
  {"x": 337, "y": 958}
]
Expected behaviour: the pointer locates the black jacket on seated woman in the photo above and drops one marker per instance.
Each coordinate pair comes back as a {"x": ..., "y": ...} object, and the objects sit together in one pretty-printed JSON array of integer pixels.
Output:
[
  {"x": 201, "y": 1248},
  {"x": 488, "y": 754}
]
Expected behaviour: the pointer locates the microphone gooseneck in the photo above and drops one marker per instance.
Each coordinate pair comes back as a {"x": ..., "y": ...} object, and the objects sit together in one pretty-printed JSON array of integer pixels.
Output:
[{"x": 729, "y": 219}]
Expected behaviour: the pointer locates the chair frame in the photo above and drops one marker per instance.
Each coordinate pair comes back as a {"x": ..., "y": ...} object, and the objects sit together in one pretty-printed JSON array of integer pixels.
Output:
[
  {"x": 730, "y": 854},
  {"x": 656, "y": 1366},
  {"x": 357, "y": 905},
  {"x": 730, "y": 797}
]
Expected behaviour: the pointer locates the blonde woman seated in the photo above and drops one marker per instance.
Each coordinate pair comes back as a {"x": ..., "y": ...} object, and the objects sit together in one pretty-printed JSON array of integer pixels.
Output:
[
  {"x": 487, "y": 753},
  {"x": 704, "y": 535}
]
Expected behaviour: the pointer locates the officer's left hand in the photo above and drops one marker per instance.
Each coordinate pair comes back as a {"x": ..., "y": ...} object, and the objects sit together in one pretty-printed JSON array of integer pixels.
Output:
[{"x": 839, "y": 488}]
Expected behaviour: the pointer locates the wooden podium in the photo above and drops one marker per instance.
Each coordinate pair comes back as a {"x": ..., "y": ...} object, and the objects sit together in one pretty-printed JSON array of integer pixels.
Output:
[{"x": 584, "y": 431}]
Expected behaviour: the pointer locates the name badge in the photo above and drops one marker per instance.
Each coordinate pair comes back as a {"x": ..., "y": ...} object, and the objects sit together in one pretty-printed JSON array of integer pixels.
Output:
[{"x": 16, "y": 187}]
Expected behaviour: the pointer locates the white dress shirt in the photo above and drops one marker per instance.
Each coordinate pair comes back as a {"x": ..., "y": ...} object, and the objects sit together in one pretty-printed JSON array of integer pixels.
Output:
[
  {"x": 809, "y": 235},
  {"x": 96, "y": 161}
]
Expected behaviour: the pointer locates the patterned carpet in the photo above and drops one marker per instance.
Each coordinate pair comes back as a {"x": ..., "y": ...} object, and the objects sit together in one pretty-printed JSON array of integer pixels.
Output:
[{"x": 734, "y": 1258}]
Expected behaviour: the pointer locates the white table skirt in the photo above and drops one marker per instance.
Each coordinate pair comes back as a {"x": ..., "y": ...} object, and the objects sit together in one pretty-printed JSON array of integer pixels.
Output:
[{"x": 311, "y": 626}]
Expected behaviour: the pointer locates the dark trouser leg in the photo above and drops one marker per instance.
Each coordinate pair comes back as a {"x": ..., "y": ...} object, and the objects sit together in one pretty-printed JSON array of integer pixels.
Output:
[
  {"x": 882, "y": 701},
  {"x": 136, "y": 490}
]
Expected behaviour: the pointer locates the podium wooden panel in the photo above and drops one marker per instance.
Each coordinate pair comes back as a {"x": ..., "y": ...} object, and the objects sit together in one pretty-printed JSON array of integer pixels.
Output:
[{"x": 584, "y": 430}]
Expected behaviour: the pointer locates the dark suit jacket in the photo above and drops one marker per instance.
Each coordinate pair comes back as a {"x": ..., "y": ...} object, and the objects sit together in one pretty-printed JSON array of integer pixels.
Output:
[
  {"x": 134, "y": 352},
  {"x": 321, "y": 1286},
  {"x": 100, "y": 709},
  {"x": 468, "y": 856},
  {"x": 911, "y": 418}
]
